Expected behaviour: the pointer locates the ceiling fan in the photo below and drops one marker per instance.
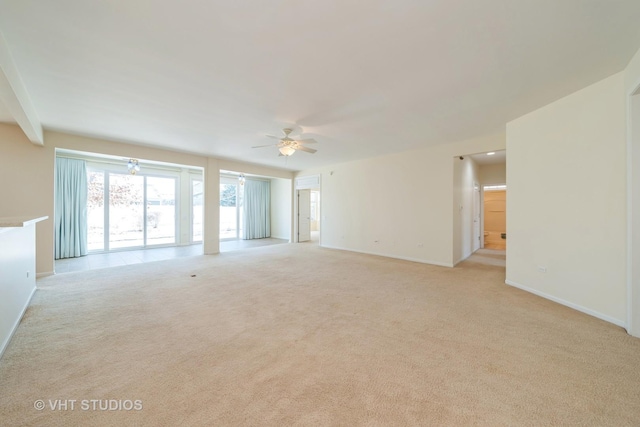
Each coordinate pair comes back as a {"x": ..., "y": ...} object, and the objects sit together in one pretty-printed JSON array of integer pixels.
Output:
[{"x": 287, "y": 145}]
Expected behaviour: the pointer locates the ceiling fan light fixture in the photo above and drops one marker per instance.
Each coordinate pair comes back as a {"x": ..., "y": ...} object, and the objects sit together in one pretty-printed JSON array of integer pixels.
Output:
[{"x": 287, "y": 151}]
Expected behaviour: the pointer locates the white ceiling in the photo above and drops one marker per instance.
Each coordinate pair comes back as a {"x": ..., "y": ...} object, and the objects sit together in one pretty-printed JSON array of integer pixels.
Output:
[
  {"x": 497, "y": 158},
  {"x": 363, "y": 78}
]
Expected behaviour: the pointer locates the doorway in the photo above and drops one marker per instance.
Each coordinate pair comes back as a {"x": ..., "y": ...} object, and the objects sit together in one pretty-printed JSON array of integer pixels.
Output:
[
  {"x": 495, "y": 217},
  {"x": 315, "y": 215},
  {"x": 476, "y": 217},
  {"x": 307, "y": 226},
  {"x": 304, "y": 215},
  {"x": 308, "y": 206}
]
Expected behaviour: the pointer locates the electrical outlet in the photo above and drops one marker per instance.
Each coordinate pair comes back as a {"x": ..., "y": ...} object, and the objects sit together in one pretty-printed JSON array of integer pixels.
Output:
[
  {"x": 421, "y": 245},
  {"x": 542, "y": 269}
]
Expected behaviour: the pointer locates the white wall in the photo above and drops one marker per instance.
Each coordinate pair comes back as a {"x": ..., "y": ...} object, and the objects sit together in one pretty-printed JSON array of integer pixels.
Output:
[
  {"x": 398, "y": 205},
  {"x": 632, "y": 94},
  {"x": 17, "y": 277},
  {"x": 465, "y": 174},
  {"x": 281, "y": 190},
  {"x": 493, "y": 174},
  {"x": 566, "y": 205}
]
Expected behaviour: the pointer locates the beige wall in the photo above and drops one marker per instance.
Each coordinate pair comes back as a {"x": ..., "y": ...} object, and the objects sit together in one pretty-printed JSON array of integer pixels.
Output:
[
  {"x": 397, "y": 205},
  {"x": 567, "y": 200},
  {"x": 26, "y": 171},
  {"x": 26, "y": 174}
]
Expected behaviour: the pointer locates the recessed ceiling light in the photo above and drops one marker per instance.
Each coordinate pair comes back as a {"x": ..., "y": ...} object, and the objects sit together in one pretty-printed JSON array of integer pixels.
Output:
[{"x": 491, "y": 153}]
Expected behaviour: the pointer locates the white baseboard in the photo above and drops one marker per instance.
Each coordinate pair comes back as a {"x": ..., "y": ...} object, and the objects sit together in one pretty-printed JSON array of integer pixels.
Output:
[
  {"x": 460, "y": 260},
  {"x": 421, "y": 261},
  {"x": 45, "y": 274},
  {"x": 6, "y": 342},
  {"x": 464, "y": 258},
  {"x": 574, "y": 306}
]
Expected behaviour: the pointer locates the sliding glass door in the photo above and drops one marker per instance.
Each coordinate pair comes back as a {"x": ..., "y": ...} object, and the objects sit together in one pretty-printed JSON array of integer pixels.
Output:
[
  {"x": 126, "y": 211},
  {"x": 229, "y": 211},
  {"x": 197, "y": 213},
  {"x": 161, "y": 210},
  {"x": 95, "y": 210},
  {"x": 130, "y": 211},
  {"x": 231, "y": 196}
]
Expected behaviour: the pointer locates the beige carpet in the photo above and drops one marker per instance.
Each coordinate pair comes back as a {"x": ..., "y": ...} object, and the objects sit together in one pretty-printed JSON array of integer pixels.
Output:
[
  {"x": 299, "y": 335},
  {"x": 489, "y": 257}
]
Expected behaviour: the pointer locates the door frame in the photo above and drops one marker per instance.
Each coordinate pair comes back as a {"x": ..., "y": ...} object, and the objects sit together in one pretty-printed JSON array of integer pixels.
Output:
[
  {"x": 633, "y": 211},
  {"x": 298, "y": 192},
  {"x": 195, "y": 178},
  {"x": 477, "y": 217}
]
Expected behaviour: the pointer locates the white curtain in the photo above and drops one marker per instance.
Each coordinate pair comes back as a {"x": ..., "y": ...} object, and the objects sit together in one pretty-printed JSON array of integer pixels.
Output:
[
  {"x": 257, "y": 209},
  {"x": 70, "y": 208}
]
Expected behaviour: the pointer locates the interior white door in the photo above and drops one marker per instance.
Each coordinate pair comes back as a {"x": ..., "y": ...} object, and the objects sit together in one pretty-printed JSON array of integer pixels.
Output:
[
  {"x": 304, "y": 215},
  {"x": 476, "y": 216}
]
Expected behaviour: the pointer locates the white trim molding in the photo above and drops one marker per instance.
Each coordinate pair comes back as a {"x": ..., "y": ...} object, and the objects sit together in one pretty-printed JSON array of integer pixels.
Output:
[
  {"x": 421, "y": 261},
  {"x": 577, "y": 307},
  {"x": 5, "y": 344},
  {"x": 633, "y": 212},
  {"x": 45, "y": 274},
  {"x": 307, "y": 182}
]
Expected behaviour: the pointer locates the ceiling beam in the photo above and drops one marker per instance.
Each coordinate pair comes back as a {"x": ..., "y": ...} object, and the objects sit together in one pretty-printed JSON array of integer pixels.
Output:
[{"x": 14, "y": 96}]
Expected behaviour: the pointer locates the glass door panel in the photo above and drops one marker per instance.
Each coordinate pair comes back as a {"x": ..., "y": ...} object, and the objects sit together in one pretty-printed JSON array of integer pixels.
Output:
[
  {"x": 196, "y": 212},
  {"x": 126, "y": 211},
  {"x": 161, "y": 210},
  {"x": 228, "y": 211},
  {"x": 95, "y": 211}
]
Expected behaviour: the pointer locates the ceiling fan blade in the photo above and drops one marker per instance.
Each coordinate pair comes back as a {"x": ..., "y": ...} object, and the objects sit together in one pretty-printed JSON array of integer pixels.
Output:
[
  {"x": 262, "y": 146},
  {"x": 307, "y": 141},
  {"x": 273, "y": 136},
  {"x": 306, "y": 149}
]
